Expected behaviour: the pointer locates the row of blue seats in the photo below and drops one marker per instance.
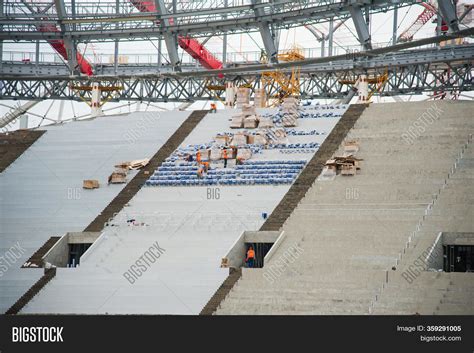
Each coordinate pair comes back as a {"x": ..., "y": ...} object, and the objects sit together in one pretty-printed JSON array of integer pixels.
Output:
[
  {"x": 319, "y": 115},
  {"x": 218, "y": 182},
  {"x": 293, "y": 132},
  {"x": 224, "y": 177},
  {"x": 271, "y": 166},
  {"x": 175, "y": 168},
  {"x": 193, "y": 169},
  {"x": 255, "y": 162},
  {"x": 298, "y": 151}
]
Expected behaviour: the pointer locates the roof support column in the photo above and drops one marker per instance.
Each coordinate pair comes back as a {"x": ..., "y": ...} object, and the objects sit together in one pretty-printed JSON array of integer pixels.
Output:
[
  {"x": 68, "y": 43},
  {"x": 266, "y": 34},
  {"x": 170, "y": 39},
  {"x": 448, "y": 11},
  {"x": 361, "y": 26}
]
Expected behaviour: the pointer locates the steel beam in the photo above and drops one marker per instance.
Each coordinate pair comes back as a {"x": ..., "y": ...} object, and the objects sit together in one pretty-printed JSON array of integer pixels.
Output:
[
  {"x": 282, "y": 14},
  {"x": 316, "y": 82},
  {"x": 360, "y": 26},
  {"x": 68, "y": 42},
  {"x": 265, "y": 32},
  {"x": 170, "y": 39}
]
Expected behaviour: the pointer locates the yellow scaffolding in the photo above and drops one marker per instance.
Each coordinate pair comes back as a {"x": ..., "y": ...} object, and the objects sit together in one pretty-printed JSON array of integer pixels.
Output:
[{"x": 287, "y": 84}]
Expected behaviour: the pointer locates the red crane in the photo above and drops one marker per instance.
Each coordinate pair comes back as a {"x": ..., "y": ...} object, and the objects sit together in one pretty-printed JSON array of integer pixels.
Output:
[
  {"x": 189, "y": 45},
  {"x": 58, "y": 45},
  {"x": 429, "y": 11}
]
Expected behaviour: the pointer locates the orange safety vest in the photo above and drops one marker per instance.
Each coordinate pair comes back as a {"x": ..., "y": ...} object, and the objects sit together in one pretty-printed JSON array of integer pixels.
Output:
[
  {"x": 251, "y": 254},
  {"x": 198, "y": 156},
  {"x": 225, "y": 154}
]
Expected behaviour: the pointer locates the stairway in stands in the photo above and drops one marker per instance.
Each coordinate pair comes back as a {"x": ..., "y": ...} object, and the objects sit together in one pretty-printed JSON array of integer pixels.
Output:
[
  {"x": 437, "y": 292},
  {"x": 351, "y": 230}
]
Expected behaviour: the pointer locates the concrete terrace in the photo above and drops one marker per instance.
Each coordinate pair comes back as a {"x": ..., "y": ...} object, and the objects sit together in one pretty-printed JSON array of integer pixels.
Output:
[
  {"x": 354, "y": 230},
  {"x": 195, "y": 231},
  {"x": 41, "y": 191}
]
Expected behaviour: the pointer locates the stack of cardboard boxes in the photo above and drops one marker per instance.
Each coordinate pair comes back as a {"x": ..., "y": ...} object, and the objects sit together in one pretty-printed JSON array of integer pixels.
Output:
[
  {"x": 243, "y": 96},
  {"x": 290, "y": 110},
  {"x": 247, "y": 119},
  {"x": 260, "y": 99}
]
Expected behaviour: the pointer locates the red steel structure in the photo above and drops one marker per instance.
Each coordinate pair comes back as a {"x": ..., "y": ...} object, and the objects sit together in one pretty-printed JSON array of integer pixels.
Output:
[
  {"x": 58, "y": 45},
  {"x": 189, "y": 45}
]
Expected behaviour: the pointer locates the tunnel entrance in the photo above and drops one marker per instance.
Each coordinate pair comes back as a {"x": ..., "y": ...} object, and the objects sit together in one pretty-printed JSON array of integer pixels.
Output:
[
  {"x": 67, "y": 251},
  {"x": 263, "y": 242},
  {"x": 458, "y": 258},
  {"x": 458, "y": 252},
  {"x": 261, "y": 249},
  {"x": 75, "y": 253}
]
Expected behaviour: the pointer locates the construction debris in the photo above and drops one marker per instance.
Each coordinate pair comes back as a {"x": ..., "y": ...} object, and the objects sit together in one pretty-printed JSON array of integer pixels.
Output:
[
  {"x": 247, "y": 119},
  {"x": 348, "y": 169},
  {"x": 351, "y": 147},
  {"x": 243, "y": 96},
  {"x": 251, "y": 122},
  {"x": 237, "y": 122},
  {"x": 90, "y": 184},
  {"x": 222, "y": 139},
  {"x": 347, "y": 165},
  {"x": 133, "y": 165},
  {"x": 118, "y": 177},
  {"x": 224, "y": 262},
  {"x": 260, "y": 98},
  {"x": 290, "y": 111}
]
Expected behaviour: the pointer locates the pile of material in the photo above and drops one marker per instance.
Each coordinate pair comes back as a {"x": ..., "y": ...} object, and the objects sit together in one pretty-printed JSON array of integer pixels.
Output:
[
  {"x": 351, "y": 147},
  {"x": 247, "y": 119},
  {"x": 290, "y": 111},
  {"x": 222, "y": 139},
  {"x": 265, "y": 123},
  {"x": 90, "y": 184},
  {"x": 259, "y": 138},
  {"x": 260, "y": 99},
  {"x": 119, "y": 176},
  {"x": 133, "y": 165},
  {"x": 239, "y": 139},
  {"x": 346, "y": 165},
  {"x": 243, "y": 96}
]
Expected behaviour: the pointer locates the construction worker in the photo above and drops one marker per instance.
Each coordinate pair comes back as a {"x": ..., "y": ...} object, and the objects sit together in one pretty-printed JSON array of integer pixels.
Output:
[
  {"x": 213, "y": 108},
  {"x": 225, "y": 156},
  {"x": 200, "y": 172},
  {"x": 205, "y": 166},
  {"x": 198, "y": 156},
  {"x": 250, "y": 260}
]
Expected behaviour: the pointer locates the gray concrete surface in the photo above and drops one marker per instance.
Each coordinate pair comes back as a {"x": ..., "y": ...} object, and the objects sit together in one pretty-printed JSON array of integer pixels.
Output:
[{"x": 354, "y": 230}]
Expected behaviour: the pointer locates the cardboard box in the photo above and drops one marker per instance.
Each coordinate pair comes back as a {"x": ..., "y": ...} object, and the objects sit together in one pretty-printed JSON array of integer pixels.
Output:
[
  {"x": 118, "y": 178},
  {"x": 250, "y": 122},
  {"x": 265, "y": 123},
  {"x": 90, "y": 184},
  {"x": 239, "y": 139},
  {"x": 222, "y": 139},
  {"x": 237, "y": 122},
  {"x": 348, "y": 169}
]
